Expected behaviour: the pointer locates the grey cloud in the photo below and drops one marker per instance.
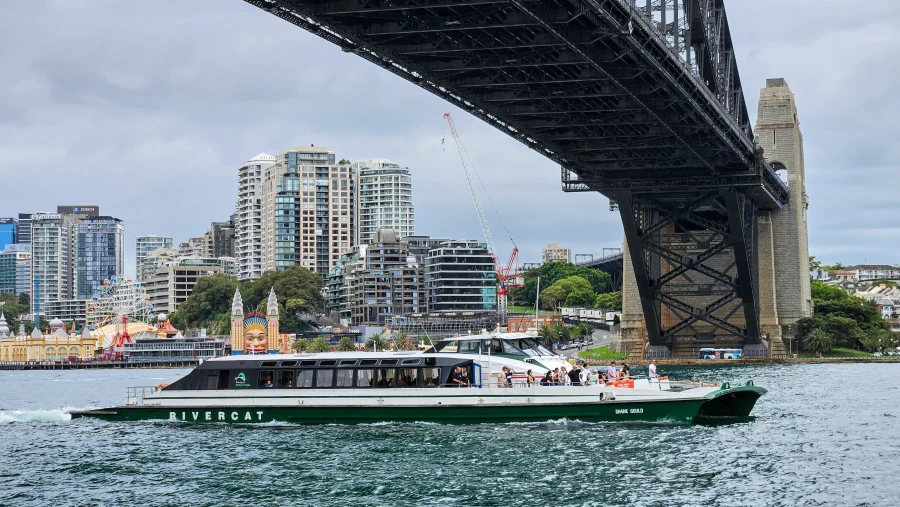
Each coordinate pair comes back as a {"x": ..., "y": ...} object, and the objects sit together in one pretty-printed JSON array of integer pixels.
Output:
[{"x": 148, "y": 109}]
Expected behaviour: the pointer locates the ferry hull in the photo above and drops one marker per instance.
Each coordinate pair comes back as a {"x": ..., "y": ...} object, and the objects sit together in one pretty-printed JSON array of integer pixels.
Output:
[{"x": 673, "y": 412}]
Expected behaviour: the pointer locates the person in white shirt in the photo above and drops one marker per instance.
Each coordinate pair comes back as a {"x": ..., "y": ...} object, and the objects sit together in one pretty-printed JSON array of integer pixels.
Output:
[
  {"x": 585, "y": 374},
  {"x": 652, "y": 369}
]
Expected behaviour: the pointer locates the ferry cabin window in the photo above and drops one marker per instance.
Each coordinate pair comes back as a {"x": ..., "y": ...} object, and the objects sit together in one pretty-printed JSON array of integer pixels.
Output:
[
  {"x": 447, "y": 347},
  {"x": 431, "y": 377},
  {"x": 365, "y": 378},
  {"x": 266, "y": 379},
  {"x": 224, "y": 375},
  {"x": 324, "y": 377},
  {"x": 469, "y": 346},
  {"x": 304, "y": 378},
  {"x": 285, "y": 379},
  {"x": 409, "y": 377},
  {"x": 385, "y": 377},
  {"x": 344, "y": 378},
  {"x": 491, "y": 347}
]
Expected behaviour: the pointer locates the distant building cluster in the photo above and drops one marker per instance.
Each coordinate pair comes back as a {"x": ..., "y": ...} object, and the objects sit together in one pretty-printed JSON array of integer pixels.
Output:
[
  {"x": 60, "y": 259},
  {"x": 553, "y": 253}
]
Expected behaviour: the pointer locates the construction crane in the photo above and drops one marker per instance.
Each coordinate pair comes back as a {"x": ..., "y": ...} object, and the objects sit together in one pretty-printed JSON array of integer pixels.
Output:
[{"x": 508, "y": 276}]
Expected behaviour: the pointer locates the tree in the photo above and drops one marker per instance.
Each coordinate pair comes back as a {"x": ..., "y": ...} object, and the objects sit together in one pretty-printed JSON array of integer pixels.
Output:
[
  {"x": 547, "y": 334},
  {"x": 814, "y": 265},
  {"x": 211, "y": 296},
  {"x": 320, "y": 345},
  {"x": 376, "y": 342},
  {"x": 824, "y": 292},
  {"x": 346, "y": 344},
  {"x": 425, "y": 339},
  {"x": 552, "y": 296},
  {"x": 301, "y": 345},
  {"x": 817, "y": 341},
  {"x": 404, "y": 342},
  {"x": 880, "y": 339},
  {"x": 563, "y": 333},
  {"x": 609, "y": 301},
  {"x": 580, "y": 298},
  {"x": 550, "y": 273}
]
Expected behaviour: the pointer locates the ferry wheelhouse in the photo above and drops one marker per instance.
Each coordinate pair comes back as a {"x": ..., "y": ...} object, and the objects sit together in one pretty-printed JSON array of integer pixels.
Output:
[
  {"x": 366, "y": 387},
  {"x": 519, "y": 351}
]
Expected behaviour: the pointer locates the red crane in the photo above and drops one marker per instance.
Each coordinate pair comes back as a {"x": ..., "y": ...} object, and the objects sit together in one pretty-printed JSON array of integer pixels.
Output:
[{"x": 508, "y": 276}]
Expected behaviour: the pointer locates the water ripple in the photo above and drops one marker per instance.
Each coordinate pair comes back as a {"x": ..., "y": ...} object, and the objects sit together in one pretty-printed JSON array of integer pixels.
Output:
[{"x": 822, "y": 436}]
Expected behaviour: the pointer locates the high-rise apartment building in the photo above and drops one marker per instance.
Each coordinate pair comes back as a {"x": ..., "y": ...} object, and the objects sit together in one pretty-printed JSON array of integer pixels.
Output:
[
  {"x": 52, "y": 268},
  {"x": 248, "y": 217},
  {"x": 23, "y": 231},
  {"x": 15, "y": 269},
  {"x": 146, "y": 244},
  {"x": 8, "y": 231},
  {"x": 460, "y": 276},
  {"x": 553, "y": 252},
  {"x": 99, "y": 253},
  {"x": 219, "y": 240},
  {"x": 307, "y": 210},
  {"x": 384, "y": 198}
]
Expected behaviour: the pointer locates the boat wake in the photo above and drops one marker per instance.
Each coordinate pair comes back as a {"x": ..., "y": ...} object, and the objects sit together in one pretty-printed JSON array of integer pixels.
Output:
[{"x": 37, "y": 416}]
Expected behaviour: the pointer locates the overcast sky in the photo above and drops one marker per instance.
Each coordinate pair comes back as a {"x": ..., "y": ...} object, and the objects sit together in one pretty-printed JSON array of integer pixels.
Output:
[{"x": 148, "y": 108}]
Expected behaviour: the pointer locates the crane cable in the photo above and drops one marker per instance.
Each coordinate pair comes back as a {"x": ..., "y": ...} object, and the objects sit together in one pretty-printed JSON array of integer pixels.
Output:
[{"x": 483, "y": 187}]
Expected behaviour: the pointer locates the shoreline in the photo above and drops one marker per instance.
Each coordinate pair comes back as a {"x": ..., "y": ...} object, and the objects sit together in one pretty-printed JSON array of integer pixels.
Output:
[{"x": 760, "y": 361}]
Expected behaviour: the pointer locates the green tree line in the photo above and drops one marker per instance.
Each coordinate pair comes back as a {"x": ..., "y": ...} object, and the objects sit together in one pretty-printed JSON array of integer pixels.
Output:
[{"x": 299, "y": 293}]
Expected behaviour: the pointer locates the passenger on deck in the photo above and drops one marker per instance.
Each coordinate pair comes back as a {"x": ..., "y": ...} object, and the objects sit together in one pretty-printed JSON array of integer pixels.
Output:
[
  {"x": 626, "y": 371},
  {"x": 501, "y": 378},
  {"x": 563, "y": 376},
  {"x": 611, "y": 372},
  {"x": 530, "y": 378},
  {"x": 458, "y": 378},
  {"x": 290, "y": 383},
  {"x": 269, "y": 383},
  {"x": 585, "y": 374},
  {"x": 575, "y": 376},
  {"x": 509, "y": 376},
  {"x": 652, "y": 371},
  {"x": 556, "y": 376},
  {"x": 548, "y": 378}
]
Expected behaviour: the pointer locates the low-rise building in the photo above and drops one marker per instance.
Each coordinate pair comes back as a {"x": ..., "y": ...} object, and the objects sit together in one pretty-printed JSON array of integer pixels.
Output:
[
  {"x": 875, "y": 272},
  {"x": 69, "y": 310},
  {"x": 519, "y": 323},
  {"x": 173, "y": 349},
  {"x": 170, "y": 286}
]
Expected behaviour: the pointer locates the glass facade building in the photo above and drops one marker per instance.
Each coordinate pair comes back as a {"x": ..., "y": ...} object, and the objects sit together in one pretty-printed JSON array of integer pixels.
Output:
[
  {"x": 384, "y": 199},
  {"x": 8, "y": 232},
  {"x": 147, "y": 244},
  {"x": 99, "y": 253},
  {"x": 15, "y": 269},
  {"x": 460, "y": 276}
]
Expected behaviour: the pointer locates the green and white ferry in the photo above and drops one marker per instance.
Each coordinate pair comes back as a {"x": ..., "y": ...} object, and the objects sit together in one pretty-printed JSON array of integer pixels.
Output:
[{"x": 369, "y": 387}]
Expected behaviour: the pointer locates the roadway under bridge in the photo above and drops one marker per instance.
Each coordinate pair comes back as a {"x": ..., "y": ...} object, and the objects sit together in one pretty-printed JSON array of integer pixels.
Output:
[{"x": 640, "y": 100}]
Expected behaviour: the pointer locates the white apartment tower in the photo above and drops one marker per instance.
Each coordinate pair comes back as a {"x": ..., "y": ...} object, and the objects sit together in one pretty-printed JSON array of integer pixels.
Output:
[
  {"x": 248, "y": 217},
  {"x": 51, "y": 259},
  {"x": 384, "y": 199},
  {"x": 308, "y": 210}
]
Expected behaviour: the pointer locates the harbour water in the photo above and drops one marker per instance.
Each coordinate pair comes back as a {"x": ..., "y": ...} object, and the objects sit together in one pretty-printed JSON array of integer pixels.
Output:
[{"x": 823, "y": 435}]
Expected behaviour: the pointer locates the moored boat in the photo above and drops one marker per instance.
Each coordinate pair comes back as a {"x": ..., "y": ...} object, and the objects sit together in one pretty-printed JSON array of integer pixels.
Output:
[{"x": 350, "y": 388}]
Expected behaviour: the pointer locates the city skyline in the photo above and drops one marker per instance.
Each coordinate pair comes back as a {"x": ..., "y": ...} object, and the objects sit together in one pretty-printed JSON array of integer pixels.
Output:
[{"x": 172, "y": 126}]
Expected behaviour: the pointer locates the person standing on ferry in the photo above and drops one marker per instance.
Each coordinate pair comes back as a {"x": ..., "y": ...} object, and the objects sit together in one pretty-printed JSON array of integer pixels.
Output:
[
  {"x": 611, "y": 372},
  {"x": 652, "y": 371}
]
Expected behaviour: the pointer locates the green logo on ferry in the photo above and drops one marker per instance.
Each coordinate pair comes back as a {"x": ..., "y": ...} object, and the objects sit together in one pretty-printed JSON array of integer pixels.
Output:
[{"x": 241, "y": 380}]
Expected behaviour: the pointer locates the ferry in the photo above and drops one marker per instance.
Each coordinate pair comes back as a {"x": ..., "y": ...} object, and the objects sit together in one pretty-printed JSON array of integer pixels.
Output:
[{"x": 370, "y": 387}]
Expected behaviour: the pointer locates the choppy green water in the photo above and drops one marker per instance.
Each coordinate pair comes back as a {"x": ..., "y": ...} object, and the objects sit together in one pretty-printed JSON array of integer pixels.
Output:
[{"x": 824, "y": 435}]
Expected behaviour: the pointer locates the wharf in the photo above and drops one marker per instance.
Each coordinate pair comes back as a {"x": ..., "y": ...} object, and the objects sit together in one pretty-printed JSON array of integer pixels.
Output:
[{"x": 91, "y": 365}]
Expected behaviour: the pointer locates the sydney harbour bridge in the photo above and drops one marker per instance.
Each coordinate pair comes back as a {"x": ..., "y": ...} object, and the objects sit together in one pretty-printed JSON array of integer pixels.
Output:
[{"x": 640, "y": 100}]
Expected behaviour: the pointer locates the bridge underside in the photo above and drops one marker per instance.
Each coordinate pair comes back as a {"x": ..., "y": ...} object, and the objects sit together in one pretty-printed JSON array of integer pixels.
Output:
[{"x": 647, "y": 110}]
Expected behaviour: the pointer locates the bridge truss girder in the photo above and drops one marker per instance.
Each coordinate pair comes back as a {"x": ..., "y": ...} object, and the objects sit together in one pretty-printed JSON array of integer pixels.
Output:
[{"x": 694, "y": 260}]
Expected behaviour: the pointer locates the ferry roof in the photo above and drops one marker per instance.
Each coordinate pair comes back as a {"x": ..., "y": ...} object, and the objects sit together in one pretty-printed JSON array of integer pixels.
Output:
[
  {"x": 320, "y": 355},
  {"x": 501, "y": 336}
]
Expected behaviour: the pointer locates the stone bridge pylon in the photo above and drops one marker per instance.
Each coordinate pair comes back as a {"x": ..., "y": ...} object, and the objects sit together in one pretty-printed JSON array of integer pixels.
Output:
[{"x": 781, "y": 254}]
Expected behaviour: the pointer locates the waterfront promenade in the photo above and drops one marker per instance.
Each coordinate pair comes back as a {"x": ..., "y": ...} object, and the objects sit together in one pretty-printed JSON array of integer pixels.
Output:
[{"x": 92, "y": 365}]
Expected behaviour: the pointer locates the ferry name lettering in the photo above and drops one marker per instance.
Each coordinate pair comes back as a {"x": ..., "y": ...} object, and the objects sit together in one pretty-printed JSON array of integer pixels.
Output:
[
  {"x": 629, "y": 411},
  {"x": 221, "y": 416}
]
